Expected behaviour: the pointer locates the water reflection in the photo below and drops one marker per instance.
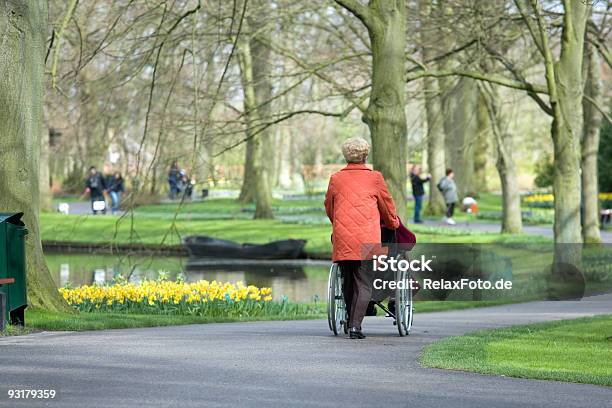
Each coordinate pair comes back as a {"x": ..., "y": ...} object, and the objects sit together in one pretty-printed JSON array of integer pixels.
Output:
[{"x": 298, "y": 281}]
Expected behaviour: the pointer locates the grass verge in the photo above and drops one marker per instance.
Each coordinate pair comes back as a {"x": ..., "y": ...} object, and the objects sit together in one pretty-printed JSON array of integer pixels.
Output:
[
  {"x": 10, "y": 330},
  {"x": 38, "y": 319},
  {"x": 577, "y": 350},
  {"x": 55, "y": 321}
]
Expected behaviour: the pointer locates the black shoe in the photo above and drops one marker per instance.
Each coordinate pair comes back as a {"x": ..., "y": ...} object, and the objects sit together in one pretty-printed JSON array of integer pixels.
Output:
[{"x": 355, "y": 333}]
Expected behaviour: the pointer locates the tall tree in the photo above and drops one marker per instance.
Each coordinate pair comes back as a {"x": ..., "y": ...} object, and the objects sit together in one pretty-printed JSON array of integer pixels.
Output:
[
  {"x": 436, "y": 161},
  {"x": 506, "y": 168},
  {"x": 564, "y": 80},
  {"x": 435, "y": 145},
  {"x": 22, "y": 53},
  {"x": 481, "y": 146},
  {"x": 257, "y": 171},
  {"x": 385, "y": 21},
  {"x": 255, "y": 68},
  {"x": 590, "y": 144},
  {"x": 460, "y": 104}
]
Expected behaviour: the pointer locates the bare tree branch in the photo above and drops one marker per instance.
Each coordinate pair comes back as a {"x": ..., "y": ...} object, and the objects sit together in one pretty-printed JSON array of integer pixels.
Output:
[
  {"x": 71, "y": 6},
  {"x": 481, "y": 76},
  {"x": 599, "y": 108},
  {"x": 284, "y": 116},
  {"x": 357, "y": 9}
]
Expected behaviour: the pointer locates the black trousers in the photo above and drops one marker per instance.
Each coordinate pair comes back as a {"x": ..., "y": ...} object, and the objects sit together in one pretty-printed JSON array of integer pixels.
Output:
[
  {"x": 357, "y": 290},
  {"x": 450, "y": 210}
]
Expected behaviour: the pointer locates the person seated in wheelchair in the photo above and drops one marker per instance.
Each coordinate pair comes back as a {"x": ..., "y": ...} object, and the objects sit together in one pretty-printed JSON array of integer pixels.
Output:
[
  {"x": 396, "y": 243},
  {"x": 356, "y": 201}
]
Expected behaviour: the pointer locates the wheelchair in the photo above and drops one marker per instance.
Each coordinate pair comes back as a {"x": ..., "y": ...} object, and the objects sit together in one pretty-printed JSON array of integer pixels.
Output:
[{"x": 402, "y": 313}]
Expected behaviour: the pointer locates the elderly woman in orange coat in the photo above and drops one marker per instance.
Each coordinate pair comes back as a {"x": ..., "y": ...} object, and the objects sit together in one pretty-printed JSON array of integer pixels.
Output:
[{"x": 357, "y": 200}]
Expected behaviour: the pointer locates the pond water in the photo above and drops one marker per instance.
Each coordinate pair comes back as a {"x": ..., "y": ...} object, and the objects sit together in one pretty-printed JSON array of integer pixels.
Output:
[{"x": 300, "y": 281}]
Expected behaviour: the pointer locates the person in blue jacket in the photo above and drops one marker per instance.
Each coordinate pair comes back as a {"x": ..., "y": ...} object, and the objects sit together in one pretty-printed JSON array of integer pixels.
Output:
[{"x": 418, "y": 191}]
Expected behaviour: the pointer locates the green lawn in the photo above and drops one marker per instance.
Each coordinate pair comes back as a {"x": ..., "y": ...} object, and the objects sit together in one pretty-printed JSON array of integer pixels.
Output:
[
  {"x": 225, "y": 218},
  {"x": 230, "y": 208},
  {"x": 570, "y": 350}
]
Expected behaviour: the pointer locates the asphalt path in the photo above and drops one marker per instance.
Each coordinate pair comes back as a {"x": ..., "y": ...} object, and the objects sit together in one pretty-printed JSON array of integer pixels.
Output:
[{"x": 282, "y": 364}]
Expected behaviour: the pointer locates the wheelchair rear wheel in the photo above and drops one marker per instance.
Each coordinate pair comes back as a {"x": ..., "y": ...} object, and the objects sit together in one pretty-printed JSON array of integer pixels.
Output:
[
  {"x": 336, "y": 309},
  {"x": 403, "y": 305}
]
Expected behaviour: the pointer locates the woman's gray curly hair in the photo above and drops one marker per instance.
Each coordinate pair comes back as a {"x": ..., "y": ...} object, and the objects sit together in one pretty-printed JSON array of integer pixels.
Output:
[{"x": 355, "y": 150}]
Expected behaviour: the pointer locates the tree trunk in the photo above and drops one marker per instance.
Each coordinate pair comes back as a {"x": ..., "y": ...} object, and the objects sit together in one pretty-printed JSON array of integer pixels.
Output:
[
  {"x": 21, "y": 102},
  {"x": 511, "y": 200},
  {"x": 459, "y": 107},
  {"x": 247, "y": 191},
  {"x": 435, "y": 146},
  {"x": 436, "y": 161},
  {"x": 153, "y": 186},
  {"x": 255, "y": 73},
  {"x": 258, "y": 172},
  {"x": 590, "y": 146},
  {"x": 285, "y": 175},
  {"x": 566, "y": 130},
  {"x": 385, "y": 114},
  {"x": 481, "y": 145}
]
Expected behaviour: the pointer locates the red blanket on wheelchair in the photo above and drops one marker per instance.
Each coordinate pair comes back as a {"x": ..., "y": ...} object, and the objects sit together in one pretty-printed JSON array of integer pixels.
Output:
[{"x": 401, "y": 236}]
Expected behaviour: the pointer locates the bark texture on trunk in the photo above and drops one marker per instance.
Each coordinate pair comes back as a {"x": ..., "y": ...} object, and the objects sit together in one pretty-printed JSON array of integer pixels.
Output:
[
  {"x": 590, "y": 145},
  {"x": 247, "y": 191},
  {"x": 565, "y": 78},
  {"x": 255, "y": 73},
  {"x": 459, "y": 106},
  {"x": 481, "y": 146},
  {"x": 436, "y": 160},
  {"x": 435, "y": 146},
  {"x": 385, "y": 115},
  {"x": 502, "y": 138},
  {"x": 21, "y": 116},
  {"x": 257, "y": 174}
]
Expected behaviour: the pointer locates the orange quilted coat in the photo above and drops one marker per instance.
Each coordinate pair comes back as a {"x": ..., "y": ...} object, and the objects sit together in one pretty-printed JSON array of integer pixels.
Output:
[{"x": 357, "y": 200}]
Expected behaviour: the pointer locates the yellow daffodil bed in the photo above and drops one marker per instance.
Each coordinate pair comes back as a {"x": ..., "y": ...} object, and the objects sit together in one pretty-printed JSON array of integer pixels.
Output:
[
  {"x": 547, "y": 200},
  {"x": 202, "y": 298}
]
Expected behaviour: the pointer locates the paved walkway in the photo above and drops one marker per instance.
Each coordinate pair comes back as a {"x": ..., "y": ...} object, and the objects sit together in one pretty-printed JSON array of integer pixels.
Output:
[
  {"x": 283, "y": 364},
  {"x": 478, "y": 225}
]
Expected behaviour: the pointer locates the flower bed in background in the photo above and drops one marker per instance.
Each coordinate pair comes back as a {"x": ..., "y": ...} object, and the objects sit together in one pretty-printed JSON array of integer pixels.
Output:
[
  {"x": 547, "y": 200},
  {"x": 202, "y": 298}
]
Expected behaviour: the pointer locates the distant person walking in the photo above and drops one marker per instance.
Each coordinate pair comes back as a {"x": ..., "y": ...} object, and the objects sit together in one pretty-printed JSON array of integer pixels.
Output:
[
  {"x": 418, "y": 191},
  {"x": 448, "y": 188},
  {"x": 95, "y": 186},
  {"x": 115, "y": 188},
  {"x": 173, "y": 179}
]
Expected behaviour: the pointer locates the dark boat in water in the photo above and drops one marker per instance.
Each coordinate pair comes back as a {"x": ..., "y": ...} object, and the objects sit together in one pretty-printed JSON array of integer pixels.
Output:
[{"x": 202, "y": 246}]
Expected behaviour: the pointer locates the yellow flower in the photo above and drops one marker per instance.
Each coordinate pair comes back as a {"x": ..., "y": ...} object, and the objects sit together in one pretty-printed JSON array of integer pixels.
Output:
[{"x": 163, "y": 292}]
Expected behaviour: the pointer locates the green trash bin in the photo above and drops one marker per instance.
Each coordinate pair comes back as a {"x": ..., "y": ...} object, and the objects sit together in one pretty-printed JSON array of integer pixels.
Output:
[{"x": 12, "y": 265}]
